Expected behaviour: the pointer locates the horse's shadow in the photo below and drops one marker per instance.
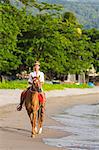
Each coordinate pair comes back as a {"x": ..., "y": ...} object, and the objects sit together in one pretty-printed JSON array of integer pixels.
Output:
[{"x": 15, "y": 130}]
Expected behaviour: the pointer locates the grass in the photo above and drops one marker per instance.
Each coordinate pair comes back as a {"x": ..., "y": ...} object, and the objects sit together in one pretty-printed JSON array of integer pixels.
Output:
[
  {"x": 22, "y": 84},
  {"x": 48, "y": 87},
  {"x": 16, "y": 84}
]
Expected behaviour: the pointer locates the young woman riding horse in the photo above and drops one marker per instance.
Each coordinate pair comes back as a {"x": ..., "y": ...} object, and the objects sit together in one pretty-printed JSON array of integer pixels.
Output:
[{"x": 34, "y": 99}]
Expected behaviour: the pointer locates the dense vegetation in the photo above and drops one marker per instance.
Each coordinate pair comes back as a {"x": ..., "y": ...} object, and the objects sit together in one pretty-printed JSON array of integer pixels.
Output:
[
  {"x": 56, "y": 40},
  {"x": 87, "y": 11}
]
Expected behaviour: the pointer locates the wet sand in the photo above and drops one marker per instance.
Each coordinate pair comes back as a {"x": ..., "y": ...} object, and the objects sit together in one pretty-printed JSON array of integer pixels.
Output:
[{"x": 15, "y": 129}]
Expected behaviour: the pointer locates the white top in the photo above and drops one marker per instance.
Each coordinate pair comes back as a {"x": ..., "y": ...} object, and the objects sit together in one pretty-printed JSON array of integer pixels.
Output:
[{"x": 33, "y": 74}]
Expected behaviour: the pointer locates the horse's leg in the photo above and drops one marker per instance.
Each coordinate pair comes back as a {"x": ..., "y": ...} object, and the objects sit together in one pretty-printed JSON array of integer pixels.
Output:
[
  {"x": 33, "y": 124},
  {"x": 34, "y": 119},
  {"x": 35, "y": 105},
  {"x": 31, "y": 120},
  {"x": 40, "y": 119},
  {"x": 39, "y": 111},
  {"x": 30, "y": 116}
]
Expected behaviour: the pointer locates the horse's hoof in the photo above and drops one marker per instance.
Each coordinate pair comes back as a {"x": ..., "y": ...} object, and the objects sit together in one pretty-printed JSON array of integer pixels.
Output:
[
  {"x": 40, "y": 131},
  {"x": 32, "y": 135},
  {"x": 36, "y": 131}
]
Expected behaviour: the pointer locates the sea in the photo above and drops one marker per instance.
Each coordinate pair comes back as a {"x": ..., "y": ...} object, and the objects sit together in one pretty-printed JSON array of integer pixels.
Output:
[{"x": 83, "y": 122}]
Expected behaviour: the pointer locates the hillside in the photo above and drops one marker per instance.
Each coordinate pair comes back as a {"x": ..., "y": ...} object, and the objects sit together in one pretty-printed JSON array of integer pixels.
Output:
[{"x": 87, "y": 11}]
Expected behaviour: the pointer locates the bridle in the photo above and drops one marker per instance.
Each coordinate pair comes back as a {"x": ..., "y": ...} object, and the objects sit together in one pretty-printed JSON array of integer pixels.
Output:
[{"x": 35, "y": 84}]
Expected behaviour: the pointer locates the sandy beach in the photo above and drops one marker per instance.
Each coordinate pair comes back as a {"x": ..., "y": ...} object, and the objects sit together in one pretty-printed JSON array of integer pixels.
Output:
[{"x": 15, "y": 129}]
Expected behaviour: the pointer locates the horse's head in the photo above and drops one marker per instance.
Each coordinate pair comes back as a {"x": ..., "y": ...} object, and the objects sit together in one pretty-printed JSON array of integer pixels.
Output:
[{"x": 36, "y": 83}]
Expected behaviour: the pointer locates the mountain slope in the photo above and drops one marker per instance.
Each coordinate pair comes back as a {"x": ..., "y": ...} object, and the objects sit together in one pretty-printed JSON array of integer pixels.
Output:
[{"x": 87, "y": 11}]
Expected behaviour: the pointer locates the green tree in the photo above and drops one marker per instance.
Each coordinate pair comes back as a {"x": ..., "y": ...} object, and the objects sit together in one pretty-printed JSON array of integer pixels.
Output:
[
  {"x": 56, "y": 40},
  {"x": 93, "y": 39},
  {"x": 11, "y": 24}
]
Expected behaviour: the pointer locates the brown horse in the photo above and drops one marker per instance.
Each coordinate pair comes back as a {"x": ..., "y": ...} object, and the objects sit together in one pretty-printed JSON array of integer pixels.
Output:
[{"x": 34, "y": 104}]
